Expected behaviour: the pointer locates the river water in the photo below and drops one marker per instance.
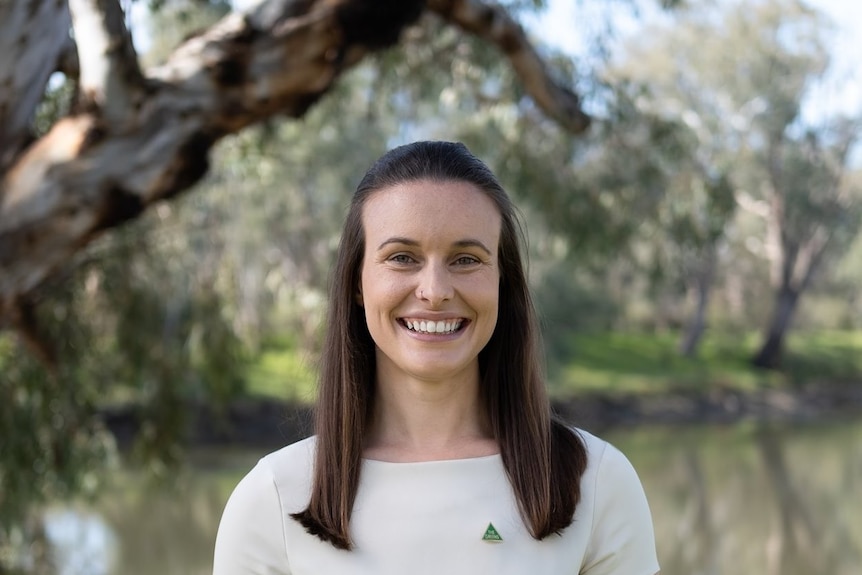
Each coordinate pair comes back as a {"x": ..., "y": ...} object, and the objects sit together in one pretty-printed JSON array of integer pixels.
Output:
[{"x": 732, "y": 500}]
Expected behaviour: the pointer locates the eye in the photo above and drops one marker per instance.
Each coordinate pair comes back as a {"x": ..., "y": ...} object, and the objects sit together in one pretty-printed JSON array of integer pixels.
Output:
[
  {"x": 466, "y": 260},
  {"x": 401, "y": 259}
]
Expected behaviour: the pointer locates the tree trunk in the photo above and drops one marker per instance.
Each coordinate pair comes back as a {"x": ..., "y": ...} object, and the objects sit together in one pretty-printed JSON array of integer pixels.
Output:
[
  {"x": 34, "y": 42},
  {"x": 703, "y": 282},
  {"x": 696, "y": 325},
  {"x": 770, "y": 354}
]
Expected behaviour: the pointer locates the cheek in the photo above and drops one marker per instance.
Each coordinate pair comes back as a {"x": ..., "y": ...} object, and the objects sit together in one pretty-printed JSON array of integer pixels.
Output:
[
  {"x": 380, "y": 293},
  {"x": 486, "y": 289}
]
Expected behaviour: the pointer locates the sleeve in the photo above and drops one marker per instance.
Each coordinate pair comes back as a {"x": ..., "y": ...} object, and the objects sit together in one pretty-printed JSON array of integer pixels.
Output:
[
  {"x": 250, "y": 538},
  {"x": 622, "y": 540}
]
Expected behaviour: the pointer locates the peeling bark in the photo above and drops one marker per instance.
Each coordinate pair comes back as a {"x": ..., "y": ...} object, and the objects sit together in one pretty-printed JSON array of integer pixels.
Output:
[
  {"x": 110, "y": 79},
  {"x": 143, "y": 137}
]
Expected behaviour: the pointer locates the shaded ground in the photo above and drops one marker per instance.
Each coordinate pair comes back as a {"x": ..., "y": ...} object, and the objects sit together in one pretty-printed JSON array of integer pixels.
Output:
[
  {"x": 269, "y": 422},
  {"x": 809, "y": 403}
]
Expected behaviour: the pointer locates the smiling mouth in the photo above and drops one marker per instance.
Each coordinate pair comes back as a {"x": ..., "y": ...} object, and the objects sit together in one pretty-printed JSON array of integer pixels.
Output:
[{"x": 443, "y": 327}]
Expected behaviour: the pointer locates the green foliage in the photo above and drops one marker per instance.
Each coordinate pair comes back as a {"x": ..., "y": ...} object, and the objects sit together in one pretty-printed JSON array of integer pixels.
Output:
[
  {"x": 56, "y": 104},
  {"x": 282, "y": 371},
  {"x": 568, "y": 305},
  {"x": 125, "y": 330},
  {"x": 170, "y": 22},
  {"x": 50, "y": 445},
  {"x": 824, "y": 356}
]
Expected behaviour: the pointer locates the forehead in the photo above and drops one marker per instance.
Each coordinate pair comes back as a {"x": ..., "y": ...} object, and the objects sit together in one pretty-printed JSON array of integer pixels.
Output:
[{"x": 431, "y": 208}]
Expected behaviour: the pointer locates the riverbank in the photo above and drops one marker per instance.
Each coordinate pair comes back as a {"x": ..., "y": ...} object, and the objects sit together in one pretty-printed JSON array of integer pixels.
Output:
[{"x": 269, "y": 422}]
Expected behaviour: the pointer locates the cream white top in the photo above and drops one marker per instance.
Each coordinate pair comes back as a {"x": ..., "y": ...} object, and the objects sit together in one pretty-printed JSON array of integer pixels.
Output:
[{"x": 431, "y": 517}]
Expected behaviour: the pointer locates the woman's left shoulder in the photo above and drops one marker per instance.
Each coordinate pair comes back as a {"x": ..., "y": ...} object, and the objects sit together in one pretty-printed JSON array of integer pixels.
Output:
[
  {"x": 614, "y": 503},
  {"x": 607, "y": 466},
  {"x": 599, "y": 451}
]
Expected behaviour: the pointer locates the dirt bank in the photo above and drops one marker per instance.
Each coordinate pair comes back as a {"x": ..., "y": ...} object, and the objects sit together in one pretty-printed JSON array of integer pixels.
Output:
[{"x": 267, "y": 422}]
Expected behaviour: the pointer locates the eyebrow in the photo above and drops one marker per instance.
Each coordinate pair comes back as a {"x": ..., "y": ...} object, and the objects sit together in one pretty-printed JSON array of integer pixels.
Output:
[{"x": 466, "y": 243}]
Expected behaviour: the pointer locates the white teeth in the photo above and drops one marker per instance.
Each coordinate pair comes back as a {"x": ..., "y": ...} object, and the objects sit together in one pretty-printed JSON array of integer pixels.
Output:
[{"x": 433, "y": 326}]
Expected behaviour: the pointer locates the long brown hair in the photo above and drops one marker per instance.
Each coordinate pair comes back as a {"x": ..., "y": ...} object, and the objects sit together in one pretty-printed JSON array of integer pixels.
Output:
[{"x": 542, "y": 457}]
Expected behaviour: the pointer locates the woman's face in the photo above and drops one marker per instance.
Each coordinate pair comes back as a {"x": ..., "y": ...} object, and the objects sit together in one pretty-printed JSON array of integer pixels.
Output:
[{"x": 430, "y": 277}]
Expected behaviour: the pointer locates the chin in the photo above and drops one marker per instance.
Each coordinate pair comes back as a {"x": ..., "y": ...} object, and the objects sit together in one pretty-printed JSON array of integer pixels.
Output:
[{"x": 438, "y": 371}]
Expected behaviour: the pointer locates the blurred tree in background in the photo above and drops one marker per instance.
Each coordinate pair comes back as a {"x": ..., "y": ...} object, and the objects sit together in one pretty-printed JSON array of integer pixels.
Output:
[{"x": 736, "y": 78}]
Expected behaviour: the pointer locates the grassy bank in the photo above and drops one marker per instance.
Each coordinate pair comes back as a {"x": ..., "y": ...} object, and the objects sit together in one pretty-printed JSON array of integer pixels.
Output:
[
  {"x": 627, "y": 363},
  {"x": 650, "y": 363},
  {"x": 282, "y": 371},
  {"x": 608, "y": 363}
]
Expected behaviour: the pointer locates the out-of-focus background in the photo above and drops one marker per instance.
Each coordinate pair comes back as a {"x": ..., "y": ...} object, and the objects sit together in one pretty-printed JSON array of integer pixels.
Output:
[{"x": 695, "y": 254}]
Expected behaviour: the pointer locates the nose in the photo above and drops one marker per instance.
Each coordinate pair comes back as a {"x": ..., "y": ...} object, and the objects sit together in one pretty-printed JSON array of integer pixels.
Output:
[{"x": 435, "y": 285}]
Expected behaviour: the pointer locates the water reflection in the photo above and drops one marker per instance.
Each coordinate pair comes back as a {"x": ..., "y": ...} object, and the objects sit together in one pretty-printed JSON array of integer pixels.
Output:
[
  {"x": 754, "y": 500},
  {"x": 81, "y": 542},
  {"x": 149, "y": 528},
  {"x": 726, "y": 500}
]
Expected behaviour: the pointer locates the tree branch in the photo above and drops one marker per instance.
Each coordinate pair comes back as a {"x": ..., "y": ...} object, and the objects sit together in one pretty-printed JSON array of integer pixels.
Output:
[
  {"x": 33, "y": 35},
  {"x": 109, "y": 78},
  {"x": 751, "y": 205},
  {"x": 90, "y": 173},
  {"x": 492, "y": 23},
  {"x": 808, "y": 258}
]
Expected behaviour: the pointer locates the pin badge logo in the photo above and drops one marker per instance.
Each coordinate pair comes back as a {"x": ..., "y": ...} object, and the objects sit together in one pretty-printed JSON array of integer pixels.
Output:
[{"x": 491, "y": 534}]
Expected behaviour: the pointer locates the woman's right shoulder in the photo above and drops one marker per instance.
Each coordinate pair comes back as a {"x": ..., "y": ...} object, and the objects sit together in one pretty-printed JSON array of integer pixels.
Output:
[
  {"x": 284, "y": 475},
  {"x": 293, "y": 459},
  {"x": 290, "y": 469},
  {"x": 252, "y": 528}
]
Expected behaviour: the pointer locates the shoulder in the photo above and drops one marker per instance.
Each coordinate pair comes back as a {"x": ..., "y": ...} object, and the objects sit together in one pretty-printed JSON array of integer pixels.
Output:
[
  {"x": 288, "y": 471},
  {"x": 281, "y": 480},
  {"x": 291, "y": 463},
  {"x": 593, "y": 444},
  {"x": 252, "y": 528},
  {"x": 609, "y": 474},
  {"x": 285, "y": 472},
  {"x": 287, "y": 466},
  {"x": 622, "y": 538},
  {"x": 602, "y": 456}
]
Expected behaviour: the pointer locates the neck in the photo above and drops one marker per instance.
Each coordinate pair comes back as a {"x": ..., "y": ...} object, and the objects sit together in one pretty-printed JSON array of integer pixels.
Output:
[{"x": 418, "y": 420}]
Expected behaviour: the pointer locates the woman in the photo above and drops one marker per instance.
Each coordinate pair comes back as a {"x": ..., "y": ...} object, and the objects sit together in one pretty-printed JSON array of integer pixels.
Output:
[{"x": 435, "y": 449}]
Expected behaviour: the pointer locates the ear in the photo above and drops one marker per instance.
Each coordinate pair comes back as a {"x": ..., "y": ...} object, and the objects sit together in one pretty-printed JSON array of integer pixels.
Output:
[{"x": 359, "y": 301}]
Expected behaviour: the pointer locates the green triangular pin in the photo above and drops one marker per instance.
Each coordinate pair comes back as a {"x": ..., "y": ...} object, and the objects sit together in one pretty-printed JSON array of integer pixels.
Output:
[{"x": 491, "y": 534}]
